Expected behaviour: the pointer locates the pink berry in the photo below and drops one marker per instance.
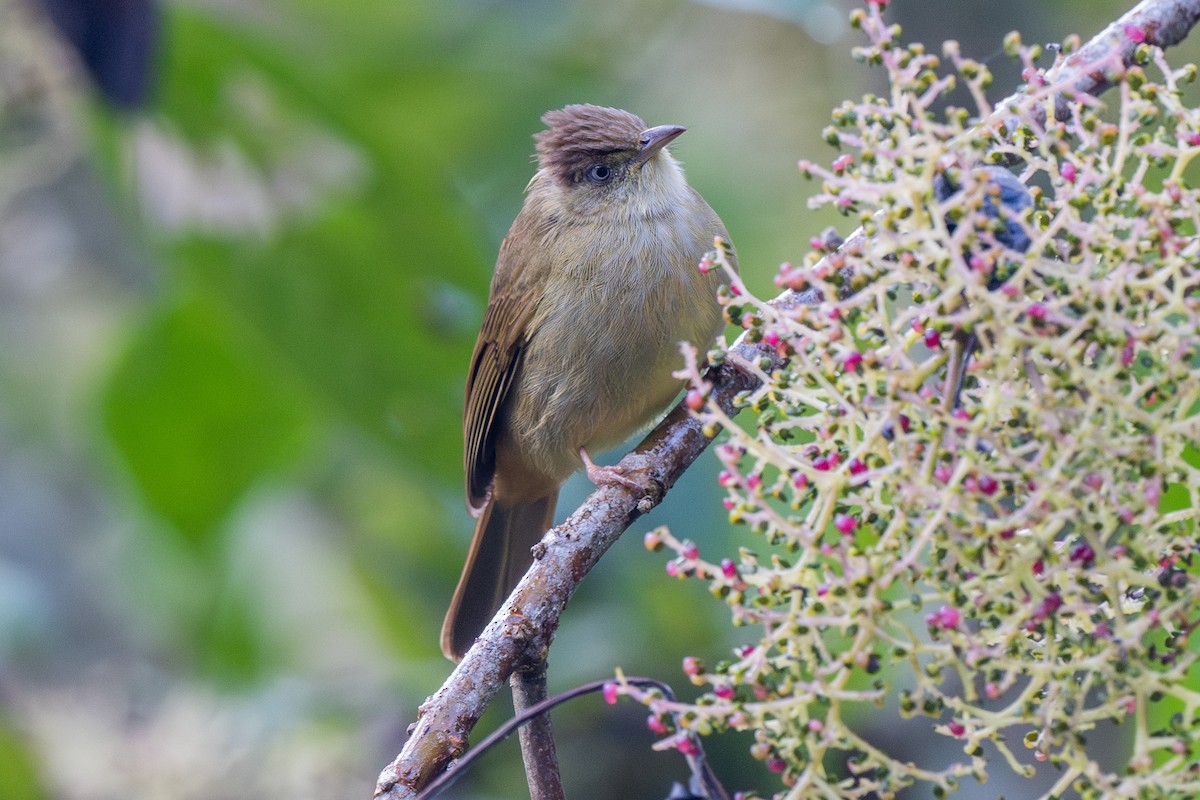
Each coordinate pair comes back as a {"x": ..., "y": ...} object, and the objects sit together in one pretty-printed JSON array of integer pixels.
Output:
[
  {"x": 845, "y": 523},
  {"x": 945, "y": 617},
  {"x": 1083, "y": 553}
]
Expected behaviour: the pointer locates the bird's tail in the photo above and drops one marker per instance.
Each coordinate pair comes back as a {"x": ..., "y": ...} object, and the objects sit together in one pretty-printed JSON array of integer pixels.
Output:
[{"x": 499, "y": 556}]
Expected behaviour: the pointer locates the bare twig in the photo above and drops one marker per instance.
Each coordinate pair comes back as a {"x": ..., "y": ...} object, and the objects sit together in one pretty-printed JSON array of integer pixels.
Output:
[
  {"x": 702, "y": 774},
  {"x": 537, "y": 737},
  {"x": 523, "y": 629}
]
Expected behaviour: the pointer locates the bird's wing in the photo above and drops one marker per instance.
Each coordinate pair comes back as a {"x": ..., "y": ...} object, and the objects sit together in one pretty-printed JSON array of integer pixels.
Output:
[{"x": 503, "y": 336}]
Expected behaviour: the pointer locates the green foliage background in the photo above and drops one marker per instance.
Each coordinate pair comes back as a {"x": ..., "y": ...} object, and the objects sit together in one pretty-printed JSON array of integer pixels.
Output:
[{"x": 233, "y": 329}]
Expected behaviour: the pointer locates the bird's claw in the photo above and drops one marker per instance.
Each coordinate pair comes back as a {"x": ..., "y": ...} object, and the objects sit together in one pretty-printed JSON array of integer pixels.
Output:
[{"x": 608, "y": 475}]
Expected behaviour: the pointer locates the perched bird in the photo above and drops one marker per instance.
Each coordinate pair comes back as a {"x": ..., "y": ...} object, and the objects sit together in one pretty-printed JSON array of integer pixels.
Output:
[{"x": 595, "y": 287}]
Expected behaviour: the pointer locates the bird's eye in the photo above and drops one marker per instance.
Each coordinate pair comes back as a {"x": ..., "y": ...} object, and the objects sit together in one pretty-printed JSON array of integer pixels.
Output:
[{"x": 599, "y": 173}]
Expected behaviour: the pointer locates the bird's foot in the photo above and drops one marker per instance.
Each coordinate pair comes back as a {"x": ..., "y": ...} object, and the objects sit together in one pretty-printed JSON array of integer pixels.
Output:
[{"x": 608, "y": 475}]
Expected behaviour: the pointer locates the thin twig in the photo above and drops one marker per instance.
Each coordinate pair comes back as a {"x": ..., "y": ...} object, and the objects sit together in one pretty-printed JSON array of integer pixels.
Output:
[
  {"x": 702, "y": 774},
  {"x": 537, "y": 737}
]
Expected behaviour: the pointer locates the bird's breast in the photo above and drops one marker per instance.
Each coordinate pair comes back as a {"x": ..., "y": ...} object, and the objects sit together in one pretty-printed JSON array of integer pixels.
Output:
[{"x": 605, "y": 337}]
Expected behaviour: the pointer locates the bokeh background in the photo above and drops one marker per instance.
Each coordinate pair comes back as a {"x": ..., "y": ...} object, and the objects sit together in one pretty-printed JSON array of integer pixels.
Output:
[{"x": 244, "y": 250}]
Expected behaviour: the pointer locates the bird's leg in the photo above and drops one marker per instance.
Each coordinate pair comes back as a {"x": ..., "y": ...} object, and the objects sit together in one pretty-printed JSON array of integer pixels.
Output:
[{"x": 601, "y": 475}]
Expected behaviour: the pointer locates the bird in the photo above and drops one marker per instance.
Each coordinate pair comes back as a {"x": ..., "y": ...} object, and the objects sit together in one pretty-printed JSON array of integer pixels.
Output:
[{"x": 595, "y": 286}]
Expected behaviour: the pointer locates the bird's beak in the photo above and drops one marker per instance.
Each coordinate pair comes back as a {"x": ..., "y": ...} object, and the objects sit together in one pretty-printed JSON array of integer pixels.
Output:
[{"x": 655, "y": 139}]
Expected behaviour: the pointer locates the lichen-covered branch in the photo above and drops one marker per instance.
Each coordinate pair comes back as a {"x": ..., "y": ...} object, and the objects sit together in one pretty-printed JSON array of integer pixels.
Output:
[{"x": 523, "y": 629}]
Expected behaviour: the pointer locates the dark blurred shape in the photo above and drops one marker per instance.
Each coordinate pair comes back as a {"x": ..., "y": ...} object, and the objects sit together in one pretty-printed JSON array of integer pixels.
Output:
[
  {"x": 1012, "y": 195},
  {"x": 117, "y": 41}
]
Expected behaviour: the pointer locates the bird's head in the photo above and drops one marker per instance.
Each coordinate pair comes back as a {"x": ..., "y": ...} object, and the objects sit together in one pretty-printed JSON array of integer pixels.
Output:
[{"x": 603, "y": 156}]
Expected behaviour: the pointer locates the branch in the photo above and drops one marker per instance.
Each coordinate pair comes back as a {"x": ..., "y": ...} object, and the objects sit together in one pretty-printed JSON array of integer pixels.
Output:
[
  {"x": 521, "y": 633},
  {"x": 537, "y": 738},
  {"x": 1162, "y": 23}
]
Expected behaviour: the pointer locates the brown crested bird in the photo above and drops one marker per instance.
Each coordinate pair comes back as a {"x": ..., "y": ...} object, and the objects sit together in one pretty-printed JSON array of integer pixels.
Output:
[{"x": 595, "y": 287}]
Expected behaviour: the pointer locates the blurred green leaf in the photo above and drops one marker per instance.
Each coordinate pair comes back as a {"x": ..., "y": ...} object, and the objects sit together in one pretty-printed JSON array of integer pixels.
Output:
[
  {"x": 18, "y": 776},
  {"x": 234, "y": 647},
  {"x": 199, "y": 414}
]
